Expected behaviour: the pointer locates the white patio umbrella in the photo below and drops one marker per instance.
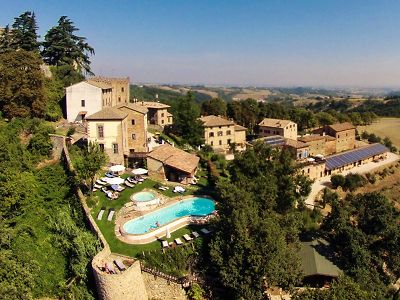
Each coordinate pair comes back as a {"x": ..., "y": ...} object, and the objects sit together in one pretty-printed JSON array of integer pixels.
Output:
[
  {"x": 115, "y": 180},
  {"x": 117, "y": 168},
  {"x": 168, "y": 234},
  {"x": 139, "y": 171}
]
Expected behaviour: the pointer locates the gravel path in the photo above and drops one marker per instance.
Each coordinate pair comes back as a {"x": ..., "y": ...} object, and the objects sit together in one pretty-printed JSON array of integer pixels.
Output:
[{"x": 320, "y": 184}]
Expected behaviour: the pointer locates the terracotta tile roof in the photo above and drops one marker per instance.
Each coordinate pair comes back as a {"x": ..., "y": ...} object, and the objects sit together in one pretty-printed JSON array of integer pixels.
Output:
[
  {"x": 277, "y": 123},
  {"x": 102, "y": 85},
  {"x": 239, "y": 128},
  {"x": 152, "y": 104},
  {"x": 341, "y": 126},
  {"x": 108, "y": 113},
  {"x": 134, "y": 107},
  {"x": 175, "y": 158},
  {"x": 295, "y": 144},
  {"x": 311, "y": 138},
  {"x": 211, "y": 121}
]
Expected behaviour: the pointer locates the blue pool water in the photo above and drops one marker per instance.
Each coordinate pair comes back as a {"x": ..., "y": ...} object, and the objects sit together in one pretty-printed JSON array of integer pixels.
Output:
[
  {"x": 143, "y": 196},
  {"x": 190, "y": 207}
]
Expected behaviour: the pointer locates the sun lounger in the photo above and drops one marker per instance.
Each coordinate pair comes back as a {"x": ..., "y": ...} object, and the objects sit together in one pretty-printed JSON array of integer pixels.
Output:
[
  {"x": 120, "y": 265},
  {"x": 187, "y": 237},
  {"x": 104, "y": 190},
  {"x": 101, "y": 182},
  {"x": 205, "y": 231},
  {"x": 109, "y": 175},
  {"x": 195, "y": 234},
  {"x": 178, "y": 241},
  {"x": 94, "y": 190},
  {"x": 110, "y": 268},
  {"x": 110, "y": 214},
  {"x": 97, "y": 186},
  {"x": 132, "y": 180},
  {"x": 128, "y": 184},
  {"x": 164, "y": 244},
  {"x": 101, "y": 213}
]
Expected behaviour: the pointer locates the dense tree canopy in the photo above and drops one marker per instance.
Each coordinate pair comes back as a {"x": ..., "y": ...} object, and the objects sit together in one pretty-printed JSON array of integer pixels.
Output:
[
  {"x": 21, "y": 84},
  {"x": 256, "y": 235},
  {"x": 24, "y": 33},
  {"x": 214, "y": 106}
]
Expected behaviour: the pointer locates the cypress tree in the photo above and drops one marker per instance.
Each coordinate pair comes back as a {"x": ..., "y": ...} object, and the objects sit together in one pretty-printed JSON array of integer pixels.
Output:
[{"x": 24, "y": 34}]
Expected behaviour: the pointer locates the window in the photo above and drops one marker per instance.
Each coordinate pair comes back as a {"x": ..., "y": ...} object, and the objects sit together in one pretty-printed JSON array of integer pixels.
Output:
[
  {"x": 162, "y": 115},
  {"x": 220, "y": 133},
  {"x": 211, "y": 134},
  {"x": 228, "y": 132},
  {"x": 133, "y": 136},
  {"x": 338, "y": 136},
  {"x": 162, "y": 121},
  {"x": 122, "y": 89},
  {"x": 212, "y": 143},
  {"x": 220, "y": 142},
  {"x": 131, "y": 151},
  {"x": 119, "y": 99},
  {"x": 133, "y": 122},
  {"x": 83, "y": 103},
  {"x": 101, "y": 146},
  {"x": 115, "y": 148},
  {"x": 229, "y": 141},
  {"x": 100, "y": 131},
  {"x": 267, "y": 131}
]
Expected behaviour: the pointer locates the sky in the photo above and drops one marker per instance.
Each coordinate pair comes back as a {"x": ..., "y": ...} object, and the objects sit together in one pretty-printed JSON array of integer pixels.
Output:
[{"x": 321, "y": 43}]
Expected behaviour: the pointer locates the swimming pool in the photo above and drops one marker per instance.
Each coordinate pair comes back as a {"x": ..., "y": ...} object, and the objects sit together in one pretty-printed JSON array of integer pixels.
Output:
[
  {"x": 143, "y": 196},
  {"x": 190, "y": 207}
]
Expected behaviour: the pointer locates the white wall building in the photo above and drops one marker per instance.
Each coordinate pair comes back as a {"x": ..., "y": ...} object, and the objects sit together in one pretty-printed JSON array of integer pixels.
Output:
[{"x": 82, "y": 99}]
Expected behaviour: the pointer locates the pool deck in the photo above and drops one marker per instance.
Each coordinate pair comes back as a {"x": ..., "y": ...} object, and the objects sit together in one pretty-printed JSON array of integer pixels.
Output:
[{"x": 126, "y": 216}]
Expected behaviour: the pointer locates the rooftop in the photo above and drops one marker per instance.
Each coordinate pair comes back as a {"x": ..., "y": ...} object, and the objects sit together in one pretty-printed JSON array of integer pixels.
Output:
[
  {"x": 314, "y": 257},
  {"x": 341, "y": 126},
  {"x": 102, "y": 85},
  {"x": 277, "y": 123},
  {"x": 295, "y": 144},
  {"x": 175, "y": 158},
  {"x": 108, "y": 113},
  {"x": 352, "y": 156},
  {"x": 152, "y": 104},
  {"x": 316, "y": 137},
  {"x": 134, "y": 107},
  {"x": 240, "y": 128},
  {"x": 211, "y": 121}
]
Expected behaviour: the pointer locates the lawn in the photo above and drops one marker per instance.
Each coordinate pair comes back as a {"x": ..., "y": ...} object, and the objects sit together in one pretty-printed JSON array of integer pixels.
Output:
[
  {"x": 100, "y": 200},
  {"x": 384, "y": 127}
]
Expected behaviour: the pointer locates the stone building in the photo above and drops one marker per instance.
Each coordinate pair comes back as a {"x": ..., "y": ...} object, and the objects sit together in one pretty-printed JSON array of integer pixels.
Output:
[
  {"x": 158, "y": 113},
  {"x": 271, "y": 127},
  {"x": 87, "y": 97},
  {"x": 120, "y": 131},
  {"x": 170, "y": 163},
  {"x": 343, "y": 133},
  {"x": 320, "y": 144},
  {"x": 220, "y": 133}
]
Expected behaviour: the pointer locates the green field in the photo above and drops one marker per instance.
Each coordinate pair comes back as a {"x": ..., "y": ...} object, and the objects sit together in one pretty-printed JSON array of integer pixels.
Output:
[{"x": 384, "y": 127}]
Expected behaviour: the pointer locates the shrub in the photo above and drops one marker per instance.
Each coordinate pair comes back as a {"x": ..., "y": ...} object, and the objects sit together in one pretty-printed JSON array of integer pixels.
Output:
[
  {"x": 40, "y": 144},
  {"x": 338, "y": 180},
  {"x": 71, "y": 131},
  {"x": 196, "y": 292},
  {"x": 371, "y": 178},
  {"x": 354, "y": 181}
]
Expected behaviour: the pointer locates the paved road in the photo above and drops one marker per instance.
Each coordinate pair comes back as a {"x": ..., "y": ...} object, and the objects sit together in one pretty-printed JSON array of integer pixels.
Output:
[{"x": 320, "y": 184}]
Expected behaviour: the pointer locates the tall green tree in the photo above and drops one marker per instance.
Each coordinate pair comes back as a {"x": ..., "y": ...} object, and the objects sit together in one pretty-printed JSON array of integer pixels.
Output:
[
  {"x": 214, "y": 106},
  {"x": 63, "y": 47},
  {"x": 89, "y": 163},
  {"x": 186, "y": 121},
  {"x": 21, "y": 84},
  {"x": 24, "y": 32}
]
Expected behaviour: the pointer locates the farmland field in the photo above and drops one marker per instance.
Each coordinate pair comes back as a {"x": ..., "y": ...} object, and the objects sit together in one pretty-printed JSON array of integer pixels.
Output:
[{"x": 384, "y": 127}]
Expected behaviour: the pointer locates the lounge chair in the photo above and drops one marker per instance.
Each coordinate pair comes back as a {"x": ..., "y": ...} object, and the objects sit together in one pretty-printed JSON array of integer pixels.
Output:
[
  {"x": 110, "y": 214},
  {"x": 128, "y": 184},
  {"x": 101, "y": 182},
  {"x": 101, "y": 213},
  {"x": 132, "y": 180},
  {"x": 195, "y": 234},
  {"x": 109, "y": 175},
  {"x": 110, "y": 268},
  {"x": 187, "y": 237},
  {"x": 178, "y": 241},
  {"x": 94, "y": 190},
  {"x": 120, "y": 265},
  {"x": 104, "y": 190},
  {"x": 205, "y": 231},
  {"x": 164, "y": 244},
  {"x": 97, "y": 186}
]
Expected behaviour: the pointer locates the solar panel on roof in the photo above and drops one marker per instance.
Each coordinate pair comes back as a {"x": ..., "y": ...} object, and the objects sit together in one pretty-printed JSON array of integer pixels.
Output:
[{"x": 353, "y": 156}]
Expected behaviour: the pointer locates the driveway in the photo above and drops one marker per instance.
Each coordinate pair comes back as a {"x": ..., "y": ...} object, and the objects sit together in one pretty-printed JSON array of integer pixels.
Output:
[{"x": 320, "y": 184}]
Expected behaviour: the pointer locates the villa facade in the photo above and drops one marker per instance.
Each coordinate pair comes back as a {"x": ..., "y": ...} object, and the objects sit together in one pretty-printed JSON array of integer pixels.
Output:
[
  {"x": 271, "y": 127},
  {"x": 221, "y": 134},
  {"x": 88, "y": 97},
  {"x": 158, "y": 113}
]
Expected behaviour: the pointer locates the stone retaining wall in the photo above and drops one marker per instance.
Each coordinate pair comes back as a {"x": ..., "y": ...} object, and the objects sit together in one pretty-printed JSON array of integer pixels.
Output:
[{"x": 127, "y": 285}]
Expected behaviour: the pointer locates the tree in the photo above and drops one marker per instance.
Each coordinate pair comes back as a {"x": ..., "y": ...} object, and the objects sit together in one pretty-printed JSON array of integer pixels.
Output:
[
  {"x": 40, "y": 144},
  {"x": 338, "y": 180},
  {"x": 5, "y": 40},
  {"x": 21, "y": 84},
  {"x": 186, "y": 121},
  {"x": 89, "y": 163},
  {"x": 214, "y": 106},
  {"x": 24, "y": 34},
  {"x": 63, "y": 47}
]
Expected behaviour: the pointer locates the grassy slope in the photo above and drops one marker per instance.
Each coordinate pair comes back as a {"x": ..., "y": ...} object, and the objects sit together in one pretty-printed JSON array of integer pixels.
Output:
[{"x": 384, "y": 127}]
